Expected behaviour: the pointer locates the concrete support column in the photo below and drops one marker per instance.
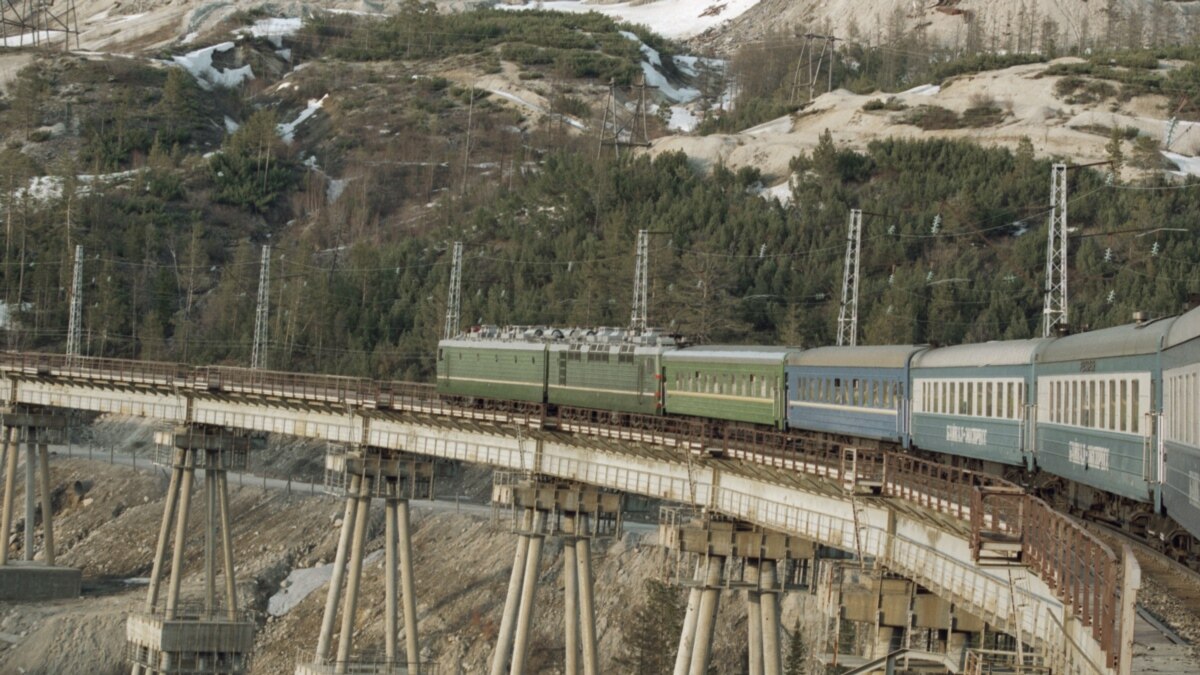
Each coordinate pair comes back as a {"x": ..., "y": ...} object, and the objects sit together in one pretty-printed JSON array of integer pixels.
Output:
[
  {"x": 707, "y": 617},
  {"x": 185, "y": 500},
  {"x": 408, "y": 588},
  {"x": 10, "y": 487},
  {"x": 30, "y": 487},
  {"x": 512, "y": 601},
  {"x": 883, "y": 640},
  {"x": 754, "y": 620},
  {"x": 231, "y": 606},
  {"x": 350, "y": 605},
  {"x": 164, "y": 529},
  {"x": 772, "y": 658},
  {"x": 47, "y": 504},
  {"x": 390, "y": 564},
  {"x": 533, "y": 563},
  {"x": 587, "y": 603},
  {"x": 570, "y": 601},
  {"x": 687, "y": 636},
  {"x": 210, "y": 534},
  {"x": 325, "y": 640}
]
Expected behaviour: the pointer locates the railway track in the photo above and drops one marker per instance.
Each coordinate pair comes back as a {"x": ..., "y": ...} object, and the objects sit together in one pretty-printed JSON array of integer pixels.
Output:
[{"x": 1168, "y": 629}]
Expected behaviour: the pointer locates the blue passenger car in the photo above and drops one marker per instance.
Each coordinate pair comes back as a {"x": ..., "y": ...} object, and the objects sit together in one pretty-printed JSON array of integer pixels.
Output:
[
  {"x": 1181, "y": 422},
  {"x": 973, "y": 400},
  {"x": 1097, "y": 408},
  {"x": 857, "y": 391}
]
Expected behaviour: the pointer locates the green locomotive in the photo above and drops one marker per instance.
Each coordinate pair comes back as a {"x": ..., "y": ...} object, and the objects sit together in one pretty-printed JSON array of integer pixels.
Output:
[{"x": 611, "y": 369}]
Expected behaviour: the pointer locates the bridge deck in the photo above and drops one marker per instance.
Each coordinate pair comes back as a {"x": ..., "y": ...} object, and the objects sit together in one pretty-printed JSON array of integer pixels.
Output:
[{"x": 922, "y": 526}]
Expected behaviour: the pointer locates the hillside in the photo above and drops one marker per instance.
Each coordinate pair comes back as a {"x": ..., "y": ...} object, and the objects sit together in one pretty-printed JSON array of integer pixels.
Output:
[
  {"x": 1010, "y": 26},
  {"x": 1061, "y": 114},
  {"x": 361, "y": 147}
]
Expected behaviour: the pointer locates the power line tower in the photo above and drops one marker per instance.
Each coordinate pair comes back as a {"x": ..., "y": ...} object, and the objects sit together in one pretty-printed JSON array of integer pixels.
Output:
[
  {"x": 848, "y": 316},
  {"x": 258, "y": 356},
  {"x": 454, "y": 295},
  {"x": 1055, "y": 312},
  {"x": 618, "y": 134},
  {"x": 641, "y": 269},
  {"x": 75, "y": 322},
  {"x": 815, "y": 62},
  {"x": 35, "y": 23}
]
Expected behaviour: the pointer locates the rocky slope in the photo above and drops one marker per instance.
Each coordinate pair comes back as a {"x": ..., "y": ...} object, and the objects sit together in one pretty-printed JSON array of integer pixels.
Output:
[{"x": 1006, "y": 25}]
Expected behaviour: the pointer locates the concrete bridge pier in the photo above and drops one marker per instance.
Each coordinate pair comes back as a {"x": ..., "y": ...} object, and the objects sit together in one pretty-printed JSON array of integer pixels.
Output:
[
  {"x": 713, "y": 548},
  {"x": 706, "y": 617},
  {"x": 578, "y": 513},
  {"x": 27, "y": 580},
  {"x": 362, "y": 475},
  {"x": 209, "y": 635}
]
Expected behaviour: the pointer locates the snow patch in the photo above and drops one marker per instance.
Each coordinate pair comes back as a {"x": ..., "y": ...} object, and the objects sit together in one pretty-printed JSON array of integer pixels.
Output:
[
  {"x": 301, "y": 583},
  {"x": 1188, "y": 166},
  {"x": 199, "y": 64},
  {"x": 231, "y": 124},
  {"x": 30, "y": 39},
  {"x": 679, "y": 19},
  {"x": 923, "y": 90},
  {"x": 274, "y": 29},
  {"x": 287, "y": 130},
  {"x": 690, "y": 65},
  {"x": 779, "y": 125},
  {"x": 655, "y": 78},
  {"x": 782, "y": 193},
  {"x": 335, "y": 189},
  {"x": 682, "y": 119},
  {"x": 48, "y": 188}
]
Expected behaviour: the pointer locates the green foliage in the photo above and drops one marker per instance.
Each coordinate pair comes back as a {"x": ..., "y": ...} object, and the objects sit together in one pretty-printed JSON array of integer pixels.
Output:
[
  {"x": 574, "y": 45},
  {"x": 749, "y": 114},
  {"x": 254, "y": 167},
  {"x": 650, "y": 631},
  {"x": 932, "y": 117},
  {"x": 797, "y": 654},
  {"x": 1183, "y": 88},
  {"x": 571, "y": 105},
  {"x": 890, "y": 103},
  {"x": 953, "y": 67},
  {"x": 985, "y": 114}
]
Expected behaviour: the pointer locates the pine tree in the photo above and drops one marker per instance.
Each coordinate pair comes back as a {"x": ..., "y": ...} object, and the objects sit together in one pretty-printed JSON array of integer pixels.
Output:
[
  {"x": 1116, "y": 156},
  {"x": 797, "y": 656},
  {"x": 650, "y": 631}
]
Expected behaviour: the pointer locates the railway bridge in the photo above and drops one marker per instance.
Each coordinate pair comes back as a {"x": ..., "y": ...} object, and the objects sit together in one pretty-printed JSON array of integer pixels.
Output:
[{"x": 980, "y": 545}]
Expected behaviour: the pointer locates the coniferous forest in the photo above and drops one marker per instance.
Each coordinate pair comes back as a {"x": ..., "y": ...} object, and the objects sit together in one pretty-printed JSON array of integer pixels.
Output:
[{"x": 953, "y": 246}]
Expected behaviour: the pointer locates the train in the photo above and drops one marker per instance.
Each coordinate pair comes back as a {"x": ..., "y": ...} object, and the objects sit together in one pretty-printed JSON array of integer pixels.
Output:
[{"x": 1104, "y": 423}]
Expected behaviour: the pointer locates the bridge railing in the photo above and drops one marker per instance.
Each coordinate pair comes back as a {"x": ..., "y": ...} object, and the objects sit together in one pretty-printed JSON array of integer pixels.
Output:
[
  {"x": 301, "y": 386},
  {"x": 1083, "y": 571},
  {"x": 119, "y": 370}
]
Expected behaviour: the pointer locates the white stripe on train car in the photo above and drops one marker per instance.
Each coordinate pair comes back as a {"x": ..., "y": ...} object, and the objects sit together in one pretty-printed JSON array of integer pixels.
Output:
[{"x": 835, "y": 406}]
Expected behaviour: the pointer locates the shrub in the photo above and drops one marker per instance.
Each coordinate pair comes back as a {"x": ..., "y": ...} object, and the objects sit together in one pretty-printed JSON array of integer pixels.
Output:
[
  {"x": 891, "y": 103},
  {"x": 932, "y": 117}
]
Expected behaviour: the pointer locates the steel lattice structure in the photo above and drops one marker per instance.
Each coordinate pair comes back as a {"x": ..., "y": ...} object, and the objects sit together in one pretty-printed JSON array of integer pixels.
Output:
[
  {"x": 454, "y": 295},
  {"x": 848, "y": 316},
  {"x": 258, "y": 357},
  {"x": 75, "y": 322},
  {"x": 1055, "y": 312}
]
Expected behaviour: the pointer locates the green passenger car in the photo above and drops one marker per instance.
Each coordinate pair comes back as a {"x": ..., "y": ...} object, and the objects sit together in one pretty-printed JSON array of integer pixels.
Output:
[
  {"x": 622, "y": 377},
  {"x": 500, "y": 369},
  {"x": 743, "y": 384}
]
